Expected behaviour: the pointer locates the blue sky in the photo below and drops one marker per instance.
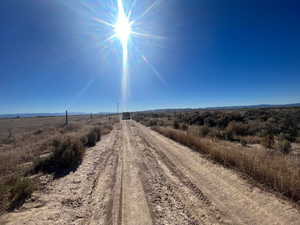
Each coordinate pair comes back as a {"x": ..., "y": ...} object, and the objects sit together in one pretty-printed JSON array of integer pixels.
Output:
[{"x": 214, "y": 53}]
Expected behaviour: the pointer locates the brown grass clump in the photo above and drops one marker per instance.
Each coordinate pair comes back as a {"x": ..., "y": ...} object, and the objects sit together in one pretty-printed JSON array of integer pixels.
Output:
[
  {"x": 14, "y": 191},
  {"x": 277, "y": 171},
  {"x": 250, "y": 139},
  {"x": 21, "y": 189},
  {"x": 42, "y": 145},
  {"x": 268, "y": 141}
]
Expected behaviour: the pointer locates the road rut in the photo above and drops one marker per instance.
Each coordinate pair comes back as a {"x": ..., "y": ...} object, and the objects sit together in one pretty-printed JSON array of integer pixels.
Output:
[{"x": 135, "y": 176}]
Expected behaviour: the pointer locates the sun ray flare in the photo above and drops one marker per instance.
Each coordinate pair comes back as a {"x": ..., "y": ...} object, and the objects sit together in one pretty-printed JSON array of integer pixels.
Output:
[
  {"x": 145, "y": 35},
  {"x": 152, "y": 6},
  {"x": 125, "y": 28}
]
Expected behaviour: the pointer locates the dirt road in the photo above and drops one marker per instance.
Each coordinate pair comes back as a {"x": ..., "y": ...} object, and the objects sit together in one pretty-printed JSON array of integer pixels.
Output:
[{"x": 135, "y": 176}]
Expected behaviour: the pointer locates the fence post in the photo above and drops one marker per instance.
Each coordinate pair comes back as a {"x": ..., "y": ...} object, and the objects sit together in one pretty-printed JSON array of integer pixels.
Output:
[{"x": 66, "y": 123}]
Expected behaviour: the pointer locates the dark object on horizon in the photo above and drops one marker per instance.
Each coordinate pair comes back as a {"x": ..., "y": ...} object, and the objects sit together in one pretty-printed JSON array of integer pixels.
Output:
[
  {"x": 66, "y": 123},
  {"x": 126, "y": 116}
]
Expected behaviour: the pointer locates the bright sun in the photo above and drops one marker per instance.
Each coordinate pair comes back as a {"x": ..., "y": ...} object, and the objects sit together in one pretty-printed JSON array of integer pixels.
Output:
[{"x": 122, "y": 27}]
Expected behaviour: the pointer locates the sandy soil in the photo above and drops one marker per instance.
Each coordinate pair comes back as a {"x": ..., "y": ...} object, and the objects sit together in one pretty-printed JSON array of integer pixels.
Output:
[{"x": 135, "y": 176}]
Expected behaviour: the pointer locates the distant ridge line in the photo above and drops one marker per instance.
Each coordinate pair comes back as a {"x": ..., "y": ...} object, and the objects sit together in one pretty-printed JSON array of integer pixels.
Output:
[
  {"x": 28, "y": 115},
  {"x": 261, "y": 106}
]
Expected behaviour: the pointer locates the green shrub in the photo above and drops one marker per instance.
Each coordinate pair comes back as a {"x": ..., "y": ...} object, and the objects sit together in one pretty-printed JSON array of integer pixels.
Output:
[
  {"x": 203, "y": 131},
  {"x": 67, "y": 155},
  {"x": 176, "y": 125},
  {"x": 84, "y": 140},
  {"x": 92, "y": 138},
  {"x": 284, "y": 146},
  {"x": 21, "y": 189},
  {"x": 97, "y": 131}
]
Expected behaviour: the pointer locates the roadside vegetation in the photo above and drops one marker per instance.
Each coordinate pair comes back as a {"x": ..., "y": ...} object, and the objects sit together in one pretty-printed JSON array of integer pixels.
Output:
[
  {"x": 248, "y": 125},
  {"x": 258, "y": 142},
  {"x": 54, "y": 149}
]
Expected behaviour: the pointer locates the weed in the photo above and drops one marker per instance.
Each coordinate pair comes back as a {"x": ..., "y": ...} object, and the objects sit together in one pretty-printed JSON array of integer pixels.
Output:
[
  {"x": 284, "y": 146},
  {"x": 21, "y": 188}
]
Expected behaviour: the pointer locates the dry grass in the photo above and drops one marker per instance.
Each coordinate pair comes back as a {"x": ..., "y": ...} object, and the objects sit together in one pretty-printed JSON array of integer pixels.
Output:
[
  {"x": 33, "y": 137},
  {"x": 280, "y": 172},
  {"x": 35, "y": 145},
  {"x": 250, "y": 139}
]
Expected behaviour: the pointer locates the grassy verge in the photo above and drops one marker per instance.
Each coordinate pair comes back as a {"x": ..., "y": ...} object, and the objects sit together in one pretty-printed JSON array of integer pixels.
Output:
[
  {"x": 277, "y": 171},
  {"x": 14, "y": 191},
  {"x": 65, "y": 153}
]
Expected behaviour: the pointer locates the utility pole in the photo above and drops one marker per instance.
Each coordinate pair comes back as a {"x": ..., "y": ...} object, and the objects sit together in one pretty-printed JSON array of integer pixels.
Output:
[{"x": 66, "y": 122}]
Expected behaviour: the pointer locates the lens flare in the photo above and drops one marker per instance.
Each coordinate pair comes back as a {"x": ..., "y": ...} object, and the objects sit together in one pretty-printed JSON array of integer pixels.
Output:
[{"x": 124, "y": 28}]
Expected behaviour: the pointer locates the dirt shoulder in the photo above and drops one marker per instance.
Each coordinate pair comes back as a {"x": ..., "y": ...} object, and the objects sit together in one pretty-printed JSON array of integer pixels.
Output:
[{"x": 136, "y": 176}]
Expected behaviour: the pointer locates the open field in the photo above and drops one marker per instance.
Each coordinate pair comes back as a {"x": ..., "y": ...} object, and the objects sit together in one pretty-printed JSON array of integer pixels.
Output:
[
  {"x": 22, "y": 125},
  {"x": 30, "y": 145},
  {"x": 136, "y": 176}
]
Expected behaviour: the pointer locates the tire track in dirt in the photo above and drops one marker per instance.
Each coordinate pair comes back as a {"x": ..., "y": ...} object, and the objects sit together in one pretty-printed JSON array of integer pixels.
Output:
[
  {"x": 67, "y": 200},
  {"x": 222, "y": 186},
  {"x": 135, "y": 176},
  {"x": 165, "y": 206},
  {"x": 134, "y": 205},
  {"x": 187, "y": 198},
  {"x": 116, "y": 210},
  {"x": 101, "y": 199}
]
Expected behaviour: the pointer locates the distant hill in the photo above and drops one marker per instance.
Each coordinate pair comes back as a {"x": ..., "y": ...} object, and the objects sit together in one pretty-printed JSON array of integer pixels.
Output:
[
  {"x": 226, "y": 107},
  {"x": 15, "y": 115},
  {"x": 24, "y": 115},
  {"x": 256, "y": 106},
  {"x": 27, "y": 115}
]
